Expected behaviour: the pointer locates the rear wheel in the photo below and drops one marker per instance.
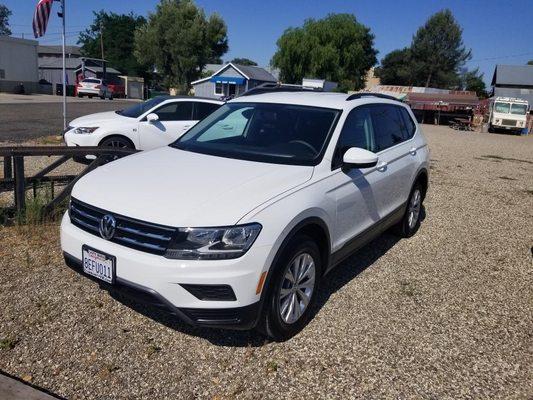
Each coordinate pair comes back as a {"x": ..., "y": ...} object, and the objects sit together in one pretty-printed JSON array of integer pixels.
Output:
[
  {"x": 292, "y": 291},
  {"x": 410, "y": 222}
]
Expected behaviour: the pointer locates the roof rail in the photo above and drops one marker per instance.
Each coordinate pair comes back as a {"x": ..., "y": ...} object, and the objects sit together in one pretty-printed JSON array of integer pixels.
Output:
[
  {"x": 276, "y": 87},
  {"x": 356, "y": 96}
]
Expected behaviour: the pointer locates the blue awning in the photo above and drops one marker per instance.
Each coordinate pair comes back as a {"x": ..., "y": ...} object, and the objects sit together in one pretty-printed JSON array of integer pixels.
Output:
[{"x": 228, "y": 79}]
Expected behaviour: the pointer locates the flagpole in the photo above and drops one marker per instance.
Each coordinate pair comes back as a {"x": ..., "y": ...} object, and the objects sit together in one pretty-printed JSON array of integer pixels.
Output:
[{"x": 64, "y": 69}]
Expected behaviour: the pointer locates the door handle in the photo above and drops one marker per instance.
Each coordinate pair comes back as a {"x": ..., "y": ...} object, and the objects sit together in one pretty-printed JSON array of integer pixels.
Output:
[
  {"x": 382, "y": 166},
  {"x": 412, "y": 151}
]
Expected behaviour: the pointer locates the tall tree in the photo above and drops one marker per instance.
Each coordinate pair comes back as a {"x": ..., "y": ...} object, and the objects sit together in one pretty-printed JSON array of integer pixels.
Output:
[
  {"x": 395, "y": 68},
  {"x": 473, "y": 81},
  {"x": 243, "y": 61},
  {"x": 179, "y": 40},
  {"x": 5, "y": 13},
  {"x": 336, "y": 48},
  {"x": 530, "y": 62},
  {"x": 118, "y": 31},
  {"x": 437, "y": 51}
]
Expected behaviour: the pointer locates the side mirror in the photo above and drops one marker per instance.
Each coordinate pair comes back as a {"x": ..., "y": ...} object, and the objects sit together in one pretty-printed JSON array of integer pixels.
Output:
[
  {"x": 355, "y": 157},
  {"x": 152, "y": 117}
]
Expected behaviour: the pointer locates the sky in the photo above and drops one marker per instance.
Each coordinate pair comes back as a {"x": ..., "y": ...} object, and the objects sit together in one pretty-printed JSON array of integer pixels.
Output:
[{"x": 497, "y": 31}]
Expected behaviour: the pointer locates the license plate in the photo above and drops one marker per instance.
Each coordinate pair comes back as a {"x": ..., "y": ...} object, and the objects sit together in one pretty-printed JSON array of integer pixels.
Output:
[{"x": 98, "y": 264}]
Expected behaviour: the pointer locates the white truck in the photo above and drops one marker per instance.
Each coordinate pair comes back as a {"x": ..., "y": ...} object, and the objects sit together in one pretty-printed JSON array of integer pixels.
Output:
[{"x": 507, "y": 113}]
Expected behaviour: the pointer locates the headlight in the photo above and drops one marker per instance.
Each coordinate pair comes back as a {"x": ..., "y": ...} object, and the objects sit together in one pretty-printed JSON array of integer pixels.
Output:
[
  {"x": 82, "y": 130},
  {"x": 212, "y": 243}
]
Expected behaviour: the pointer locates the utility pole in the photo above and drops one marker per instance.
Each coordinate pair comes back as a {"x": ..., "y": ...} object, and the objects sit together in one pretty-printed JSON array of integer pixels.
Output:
[{"x": 102, "y": 39}]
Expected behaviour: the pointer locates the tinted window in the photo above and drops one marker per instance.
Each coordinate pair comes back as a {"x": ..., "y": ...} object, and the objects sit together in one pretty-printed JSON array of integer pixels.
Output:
[
  {"x": 356, "y": 132},
  {"x": 91, "y": 80},
  {"x": 180, "y": 111},
  {"x": 276, "y": 133},
  {"x": 138, "y": 109},
  {"x": 388, "y": 126},
  {"x": 409, "y": 123},
  {"x": 202, "y": 110}
]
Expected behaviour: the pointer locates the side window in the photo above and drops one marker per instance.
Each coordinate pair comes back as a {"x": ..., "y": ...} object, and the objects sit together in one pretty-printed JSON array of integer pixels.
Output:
[
  {"x": 388, "y": 126},
  {"x": 357, "y": 131},
  {"x": 180, "y": 111},
  {"x": 409, "y": 123},
  {"x": 202, "y": 110}
]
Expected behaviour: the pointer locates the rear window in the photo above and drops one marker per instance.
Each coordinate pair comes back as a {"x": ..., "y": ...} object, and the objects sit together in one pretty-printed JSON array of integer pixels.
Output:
[
  {"x": 388, "y": 126},
  {"x": 91, "y": 81}
]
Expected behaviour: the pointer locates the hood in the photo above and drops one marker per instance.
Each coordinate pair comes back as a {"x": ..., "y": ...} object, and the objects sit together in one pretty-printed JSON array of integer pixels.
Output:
[
  {"x": 184, "y": 189},
  {"x": 96, "y": 119}
]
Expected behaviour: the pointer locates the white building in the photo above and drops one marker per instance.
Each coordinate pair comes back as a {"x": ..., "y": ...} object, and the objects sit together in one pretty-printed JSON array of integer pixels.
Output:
[{"x": 18, "y": 64}]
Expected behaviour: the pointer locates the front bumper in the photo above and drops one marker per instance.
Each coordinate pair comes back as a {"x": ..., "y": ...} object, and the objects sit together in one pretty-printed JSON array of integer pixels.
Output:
[{"x": 158, "y": 281}]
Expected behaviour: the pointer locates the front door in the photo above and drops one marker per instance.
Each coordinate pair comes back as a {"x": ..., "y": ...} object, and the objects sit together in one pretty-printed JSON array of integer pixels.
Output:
[{"x": 174, "y": 120}]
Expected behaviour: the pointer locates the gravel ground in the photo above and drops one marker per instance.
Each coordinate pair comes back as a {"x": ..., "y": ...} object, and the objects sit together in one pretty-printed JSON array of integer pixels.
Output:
[
  {"x": 21, "y": 122},
  {"x": 447, "y": 314}
]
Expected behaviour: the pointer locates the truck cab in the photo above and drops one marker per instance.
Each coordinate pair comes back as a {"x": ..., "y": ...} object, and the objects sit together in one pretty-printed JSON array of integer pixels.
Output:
[{"x": 509, "y": 114}]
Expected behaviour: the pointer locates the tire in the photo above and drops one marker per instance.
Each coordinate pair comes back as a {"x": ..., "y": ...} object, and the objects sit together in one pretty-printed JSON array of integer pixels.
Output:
[
  {"x": 80, "y": 95},
  {"x": 117, "y": 141},
  {"x": 410, "y": 222},
  {"x": 277, "y": 321},
  {"x": 491, "y": 129},
  {"x": 90, "y": 96},
  {"x": 111, "y": 96}
]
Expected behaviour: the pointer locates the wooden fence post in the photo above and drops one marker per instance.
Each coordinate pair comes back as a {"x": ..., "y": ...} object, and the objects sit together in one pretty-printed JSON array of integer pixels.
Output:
[
  {"x": 8, "y": 168},
  {"x": 20, "y": 188}
]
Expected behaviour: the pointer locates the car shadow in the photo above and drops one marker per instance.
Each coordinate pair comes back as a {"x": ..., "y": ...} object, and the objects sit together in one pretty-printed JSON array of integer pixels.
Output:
[{"x": 333, "y": 281}]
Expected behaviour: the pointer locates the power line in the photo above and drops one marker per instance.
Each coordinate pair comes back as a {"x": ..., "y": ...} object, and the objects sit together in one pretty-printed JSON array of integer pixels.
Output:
[{"x": 501, "y": 57}]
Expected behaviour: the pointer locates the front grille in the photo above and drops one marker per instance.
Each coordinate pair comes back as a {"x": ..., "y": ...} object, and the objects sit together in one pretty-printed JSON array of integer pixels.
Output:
[
  {"x": 138, "y": 235},
  {"x": 509, "y": 122},
  {"x": 211, "y": 292}
]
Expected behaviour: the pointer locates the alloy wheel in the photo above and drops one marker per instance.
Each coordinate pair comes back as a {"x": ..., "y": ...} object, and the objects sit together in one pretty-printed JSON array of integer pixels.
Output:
[
  {"x": 297, "y": 288},
  {"x": 414, "y": 208}
]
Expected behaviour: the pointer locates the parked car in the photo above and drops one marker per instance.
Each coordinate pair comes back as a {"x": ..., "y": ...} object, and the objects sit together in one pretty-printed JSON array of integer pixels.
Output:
[
  {"x": 143, "y": 126},
  {"x": 236, "y": 223},
  {"x": 92, "y": 87}
]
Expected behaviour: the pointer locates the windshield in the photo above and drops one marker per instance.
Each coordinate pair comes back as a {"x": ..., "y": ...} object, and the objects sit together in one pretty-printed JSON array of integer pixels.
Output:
[
  {"x": 138, "y": 109},
  {"x": 276, "y": 133},
  {"x": 501, "y": 107},
  {"x": 518, "y": 109}
]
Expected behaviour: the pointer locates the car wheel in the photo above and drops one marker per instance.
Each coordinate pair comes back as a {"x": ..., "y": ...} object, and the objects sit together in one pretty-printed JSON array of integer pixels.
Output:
[
  {"x": 410, "y": 222},
  {"x": 292, "y": 291},
  {"x": 117, "y": 141},
  {"x": 90, "y": 96},
  {"x": 111, "y": 96},
  {"x": 80, "y": 95}
]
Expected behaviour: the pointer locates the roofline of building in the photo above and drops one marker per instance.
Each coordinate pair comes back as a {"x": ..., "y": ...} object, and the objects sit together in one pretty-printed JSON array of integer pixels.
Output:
[{"x": 224, "y": 67}]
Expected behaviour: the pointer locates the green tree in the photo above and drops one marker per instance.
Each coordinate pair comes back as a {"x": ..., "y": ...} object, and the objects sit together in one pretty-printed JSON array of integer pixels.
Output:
[
  {"x": 437, "y": 51},
  {"x": 336, "y": 48},
  {"x": 473, "y": 81},
  {"x": 395, "y": 68},
  {"x": 118, "y": 31},
  {"x": 530, "y": 62},
  {"x": 179, "y": 40},
  {"x": 5, "y": 13},
  {"x": 243, "y": 61}
]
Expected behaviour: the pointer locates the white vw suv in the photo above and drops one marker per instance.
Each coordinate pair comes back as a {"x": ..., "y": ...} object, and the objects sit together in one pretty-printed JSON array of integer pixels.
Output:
[
  {"x": 236, "y": 223},
  {"x": 144, "y": 126}
]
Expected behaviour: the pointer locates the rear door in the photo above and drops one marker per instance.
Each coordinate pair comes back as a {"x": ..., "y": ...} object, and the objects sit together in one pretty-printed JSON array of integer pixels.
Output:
[
  {"x": 175, "y": 118},
  {"x": 393, "y": 133}
]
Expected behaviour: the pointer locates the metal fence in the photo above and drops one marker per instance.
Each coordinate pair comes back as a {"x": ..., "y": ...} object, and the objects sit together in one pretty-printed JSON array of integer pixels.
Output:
[{"x": 16, "y": 180}]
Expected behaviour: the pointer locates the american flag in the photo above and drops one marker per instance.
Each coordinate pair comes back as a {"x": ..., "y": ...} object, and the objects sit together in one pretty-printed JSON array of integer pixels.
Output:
[{"x": 40, "y": 18}]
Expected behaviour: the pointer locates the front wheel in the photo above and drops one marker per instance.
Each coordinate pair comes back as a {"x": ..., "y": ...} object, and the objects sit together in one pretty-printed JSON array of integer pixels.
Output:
[{"x": 292, "y": 291}]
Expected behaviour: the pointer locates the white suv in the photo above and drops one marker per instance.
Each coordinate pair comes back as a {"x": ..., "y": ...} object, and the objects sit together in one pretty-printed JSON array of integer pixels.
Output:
[{"x": 236, "y": 223}]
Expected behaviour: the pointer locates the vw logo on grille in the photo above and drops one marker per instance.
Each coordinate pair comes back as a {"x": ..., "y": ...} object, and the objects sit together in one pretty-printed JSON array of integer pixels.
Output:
[{"x": 108, "y": 223}]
